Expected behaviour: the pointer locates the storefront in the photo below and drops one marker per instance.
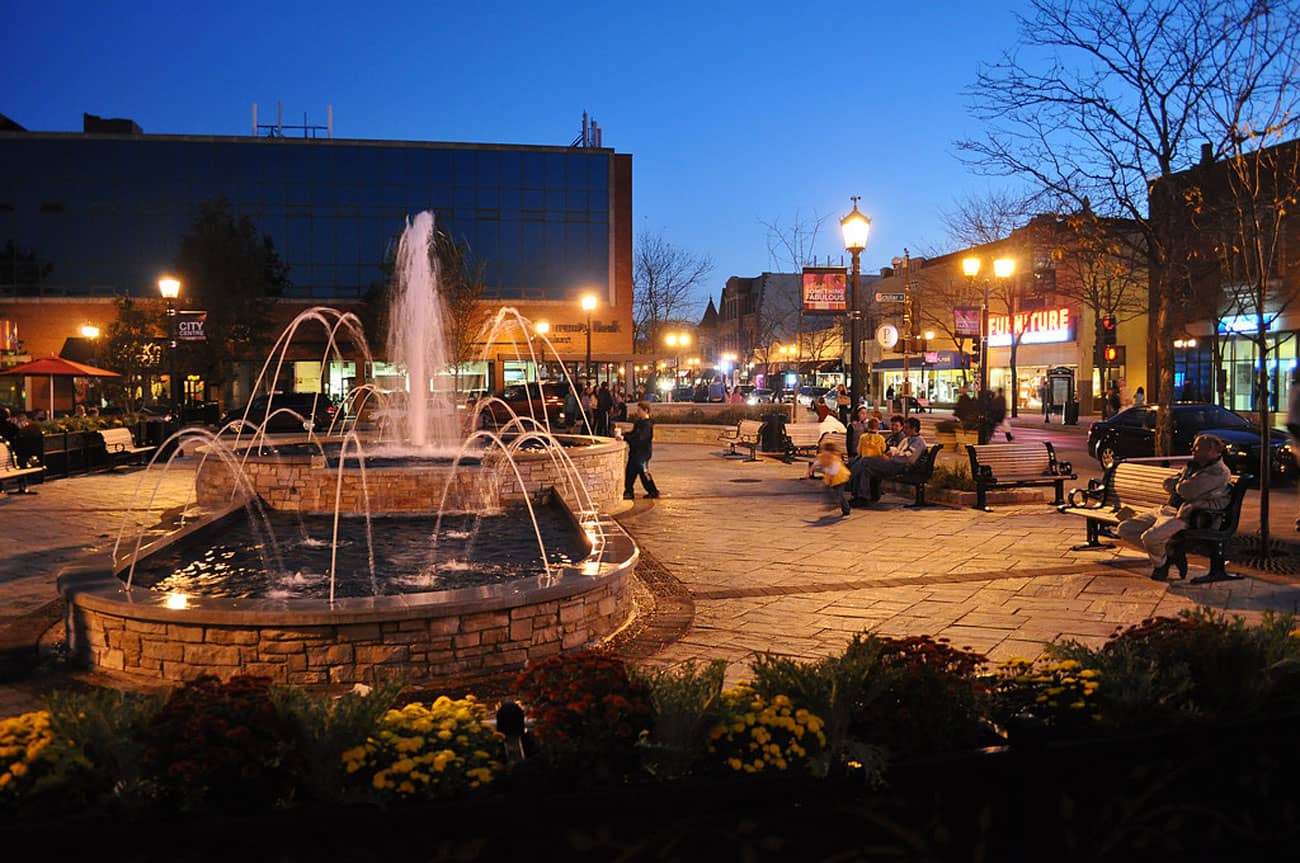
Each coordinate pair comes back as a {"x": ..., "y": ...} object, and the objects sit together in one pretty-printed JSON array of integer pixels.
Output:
[
  {"x": 936, "y": 375},
  {"x": 1046, "y": 340},
  {"x": 1231, "y": 380}
]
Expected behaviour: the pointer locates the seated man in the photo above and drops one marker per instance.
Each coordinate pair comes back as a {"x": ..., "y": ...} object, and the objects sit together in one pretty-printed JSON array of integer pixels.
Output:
[
  {"x": 869, "y": 470},
  {"x": 896, "y": 434},
  {"x": 1201, "y": 486}
]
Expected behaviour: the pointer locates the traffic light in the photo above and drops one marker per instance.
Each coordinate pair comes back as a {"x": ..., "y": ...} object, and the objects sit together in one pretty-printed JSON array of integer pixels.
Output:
[
  {"x": 1108, "y": 330},
  {"x": 1112, "y": 355},
  {"x": 975, "y": 344}
]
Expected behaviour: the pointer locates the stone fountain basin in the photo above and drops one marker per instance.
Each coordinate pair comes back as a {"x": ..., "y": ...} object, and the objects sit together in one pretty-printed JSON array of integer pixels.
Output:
[
  {"x": 306, "y": 482},
  {"x": 434, "y": 637}
]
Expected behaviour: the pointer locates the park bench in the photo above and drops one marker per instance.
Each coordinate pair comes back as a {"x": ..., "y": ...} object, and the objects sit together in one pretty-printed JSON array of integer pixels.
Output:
[
  {"x": 1139, "y": 488},
  {"x": 121, "y": 446},
  {"x": 919, "y": 474},
  {"x": 804, "y": 438},
  {"x": 747, "y": 434},
  {"x": 1016, "y": 465},
  {"x": 12, "y": 471}
]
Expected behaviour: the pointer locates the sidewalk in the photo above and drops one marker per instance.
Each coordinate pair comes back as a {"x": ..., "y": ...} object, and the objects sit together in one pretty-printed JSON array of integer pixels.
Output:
[{"x": 742, "y": 558}]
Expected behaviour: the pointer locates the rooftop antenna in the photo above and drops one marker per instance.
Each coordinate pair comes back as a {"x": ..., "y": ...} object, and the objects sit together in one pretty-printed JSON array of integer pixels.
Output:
[{"x": 278, "y": 129}]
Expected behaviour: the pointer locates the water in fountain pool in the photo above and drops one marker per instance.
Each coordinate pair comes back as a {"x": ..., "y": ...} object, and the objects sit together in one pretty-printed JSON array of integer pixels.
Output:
[{"x": 225, "y": 559}]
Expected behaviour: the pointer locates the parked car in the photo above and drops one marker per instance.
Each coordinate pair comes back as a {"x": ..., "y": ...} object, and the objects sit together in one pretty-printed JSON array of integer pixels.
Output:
[
  {"x": 543, "y": 401},
  {"x": 757, "y": 396},
  {"x": 808, "y": 396},
  {"x": 1131, "y": 434},
  {"x": 290, "y": 412}
]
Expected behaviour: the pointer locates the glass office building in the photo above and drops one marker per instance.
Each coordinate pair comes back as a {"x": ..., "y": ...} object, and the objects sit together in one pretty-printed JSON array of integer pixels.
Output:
[{"x": 85, "y": 215}]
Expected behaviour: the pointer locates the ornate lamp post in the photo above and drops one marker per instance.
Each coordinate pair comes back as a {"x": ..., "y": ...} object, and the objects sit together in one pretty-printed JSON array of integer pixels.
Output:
[
  {"x": 171, "y": 289},
  {"x": 856, "y": 227},
  {"x": 677, "y": 341},
  {"x": 1003, "y": 268},
  {"x": 588, "y": 306}
]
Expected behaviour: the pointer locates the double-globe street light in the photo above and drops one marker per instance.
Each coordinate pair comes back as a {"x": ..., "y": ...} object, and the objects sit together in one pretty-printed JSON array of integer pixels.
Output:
[
  {"x": 1003, "y": 268},
  {"x": 170, "y": 288},
  {"x": 856, "y": 228}
]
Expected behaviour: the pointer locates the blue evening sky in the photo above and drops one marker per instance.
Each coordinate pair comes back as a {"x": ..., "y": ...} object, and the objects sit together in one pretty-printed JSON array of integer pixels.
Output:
[{"x": 734, "y": 113}]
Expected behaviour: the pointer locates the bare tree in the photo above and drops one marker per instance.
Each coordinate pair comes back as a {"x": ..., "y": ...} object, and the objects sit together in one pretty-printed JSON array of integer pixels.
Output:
[
  {"x": 793, "y": 246},
  {"x": 977, "y": 219},
  {"x": 1104, "y": 99},
  {"x": 1101, "y": 268},
  {"x": 667, "y": 280},
  {"x": 1240, "y": 204}
]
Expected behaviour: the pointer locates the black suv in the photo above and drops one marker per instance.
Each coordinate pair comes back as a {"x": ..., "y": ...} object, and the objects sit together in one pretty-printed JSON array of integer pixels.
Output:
[
  {"x": 1131, "y": 434},
  {"x": 290, "y": 412}
]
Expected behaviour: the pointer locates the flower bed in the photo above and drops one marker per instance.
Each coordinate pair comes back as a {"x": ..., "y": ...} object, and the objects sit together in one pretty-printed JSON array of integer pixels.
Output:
[{"x": 1174, "y": 735}]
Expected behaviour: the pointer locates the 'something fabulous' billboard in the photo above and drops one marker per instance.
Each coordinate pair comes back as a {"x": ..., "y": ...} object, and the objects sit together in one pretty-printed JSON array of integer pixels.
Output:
[{"x": 825, "y": 290}]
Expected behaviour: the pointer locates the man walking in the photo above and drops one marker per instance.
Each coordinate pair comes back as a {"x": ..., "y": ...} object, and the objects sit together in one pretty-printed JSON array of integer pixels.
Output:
[{"x": 639, "y": 444}]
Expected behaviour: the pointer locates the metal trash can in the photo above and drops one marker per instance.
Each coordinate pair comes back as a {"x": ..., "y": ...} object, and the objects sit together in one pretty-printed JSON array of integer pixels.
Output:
[
  {"x": 773, "y": 437},
  {"x": 1072, "y": 412}
]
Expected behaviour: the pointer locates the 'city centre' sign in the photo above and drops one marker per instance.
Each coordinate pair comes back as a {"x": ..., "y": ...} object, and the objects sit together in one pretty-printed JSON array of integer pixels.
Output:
[
  {"x": 1032, "y": 328},
  {"x": 192, "y": 326}
]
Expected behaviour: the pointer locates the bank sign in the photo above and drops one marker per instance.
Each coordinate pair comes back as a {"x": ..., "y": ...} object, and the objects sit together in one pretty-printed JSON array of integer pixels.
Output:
[{"x": 1042, "y": 326}]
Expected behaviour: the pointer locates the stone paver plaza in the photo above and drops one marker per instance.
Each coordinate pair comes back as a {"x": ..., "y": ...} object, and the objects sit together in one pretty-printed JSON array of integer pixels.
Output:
[{"x": 745, "y": 557}]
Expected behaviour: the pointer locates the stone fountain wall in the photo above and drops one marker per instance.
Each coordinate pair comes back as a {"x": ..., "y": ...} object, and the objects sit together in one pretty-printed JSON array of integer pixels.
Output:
[
  {"x": 453, "y": 635},
  {"x": 306, "y": 484}
]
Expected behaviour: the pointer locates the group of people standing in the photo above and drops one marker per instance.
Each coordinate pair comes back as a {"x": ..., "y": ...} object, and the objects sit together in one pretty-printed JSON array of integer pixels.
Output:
[
  {"x": 872, "y": 456},
  {"x": 594, "y": 409}
]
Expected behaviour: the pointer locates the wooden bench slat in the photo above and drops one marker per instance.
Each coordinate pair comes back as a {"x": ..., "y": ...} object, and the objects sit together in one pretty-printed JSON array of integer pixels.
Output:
[
  {"x": 12, "y": 471},
  {"x": 1012, "y": 465}
]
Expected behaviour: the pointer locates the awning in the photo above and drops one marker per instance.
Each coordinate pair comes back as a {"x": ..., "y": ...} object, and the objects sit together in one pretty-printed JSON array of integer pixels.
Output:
[{"x": 942, "y": 360}]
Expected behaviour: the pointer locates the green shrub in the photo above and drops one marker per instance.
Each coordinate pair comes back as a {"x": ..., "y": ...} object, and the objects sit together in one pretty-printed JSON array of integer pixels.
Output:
[
  {"x": 321, "y": 730},
  {"x": 835, "y": 688},
  {"x": 957, "y": 478},
  {"x": 686, "y": 704},
  {"x": 1198, "y": 664}
]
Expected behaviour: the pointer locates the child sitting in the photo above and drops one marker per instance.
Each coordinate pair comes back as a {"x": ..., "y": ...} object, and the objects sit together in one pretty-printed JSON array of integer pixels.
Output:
[
  {"x": 835, "y": 473},
  {"x": 871, "y": 442}
]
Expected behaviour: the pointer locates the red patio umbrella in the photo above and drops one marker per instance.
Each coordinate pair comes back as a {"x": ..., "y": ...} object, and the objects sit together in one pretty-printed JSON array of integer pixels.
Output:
[{"x": 56, "y": 367}]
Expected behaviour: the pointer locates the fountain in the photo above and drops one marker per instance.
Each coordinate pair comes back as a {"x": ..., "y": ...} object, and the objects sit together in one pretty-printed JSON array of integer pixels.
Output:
[{"x": 331, "y": 491}]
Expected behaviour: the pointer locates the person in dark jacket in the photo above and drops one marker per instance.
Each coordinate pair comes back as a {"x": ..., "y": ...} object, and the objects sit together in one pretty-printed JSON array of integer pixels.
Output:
[
  {"x": 604, "y": 404},
  {"x": 639, "y": 444}
]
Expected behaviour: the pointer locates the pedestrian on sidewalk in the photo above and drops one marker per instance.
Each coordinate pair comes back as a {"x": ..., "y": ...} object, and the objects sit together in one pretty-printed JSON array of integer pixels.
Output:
[
  {"x": 843, "y": 402},
  {"x": 835, "y": 473},
  {"x": 639, "y": 446},
  {"x": 1001, "y": 421}
]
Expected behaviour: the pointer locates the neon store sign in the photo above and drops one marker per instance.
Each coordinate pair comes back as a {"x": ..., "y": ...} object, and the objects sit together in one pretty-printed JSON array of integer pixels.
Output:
[{"x": 1031, "y": 328}]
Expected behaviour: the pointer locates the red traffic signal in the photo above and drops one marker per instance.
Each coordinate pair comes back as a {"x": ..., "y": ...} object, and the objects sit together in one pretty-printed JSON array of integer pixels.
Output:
[{"x": 1108, "y": 322}]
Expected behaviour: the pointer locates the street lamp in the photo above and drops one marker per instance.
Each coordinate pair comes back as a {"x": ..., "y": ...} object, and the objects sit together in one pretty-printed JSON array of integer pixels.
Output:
[
  {"x": 677, "y": 341},
  {"x": 1003, "y": 268},
  {"x": 856, "y": 227},
  {"x": 171, "y": 289},
  {"x": 588, "y": 305}
]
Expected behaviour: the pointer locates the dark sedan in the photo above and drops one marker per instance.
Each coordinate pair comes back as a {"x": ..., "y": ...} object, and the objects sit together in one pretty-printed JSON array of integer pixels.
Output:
[
  {"x": 1131, "y": 434},
  {"x": 288, "y": 412}
]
